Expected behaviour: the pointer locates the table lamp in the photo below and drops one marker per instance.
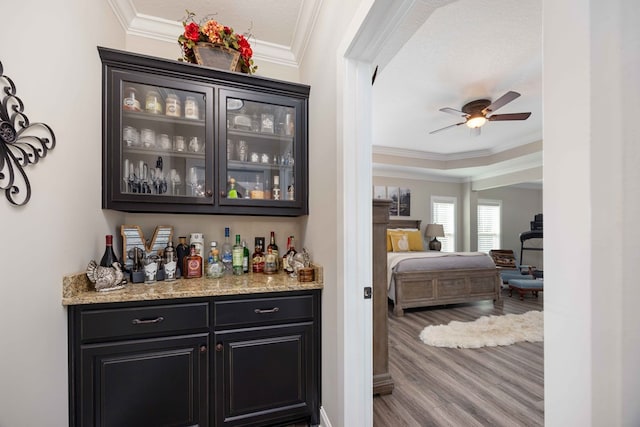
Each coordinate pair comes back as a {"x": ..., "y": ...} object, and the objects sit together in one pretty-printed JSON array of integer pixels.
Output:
[{"x": 434, "y": 230}]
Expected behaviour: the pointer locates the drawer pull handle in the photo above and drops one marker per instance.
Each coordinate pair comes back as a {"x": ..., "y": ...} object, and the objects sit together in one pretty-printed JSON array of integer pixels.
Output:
[
  {"x": 272, "y": 310},
  {"x": 147, "y": 321}
]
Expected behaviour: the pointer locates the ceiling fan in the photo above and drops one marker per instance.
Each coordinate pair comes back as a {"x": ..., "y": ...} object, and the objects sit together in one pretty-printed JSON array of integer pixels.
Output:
[{"x": 476, "y": 112}]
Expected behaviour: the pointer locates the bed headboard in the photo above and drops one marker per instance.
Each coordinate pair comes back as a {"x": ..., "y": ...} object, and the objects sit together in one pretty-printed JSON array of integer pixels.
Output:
[{"x": 404, "y": 223}]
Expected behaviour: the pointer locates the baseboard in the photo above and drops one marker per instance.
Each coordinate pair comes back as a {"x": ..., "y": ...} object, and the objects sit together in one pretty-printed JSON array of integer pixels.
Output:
[{"x": 324, "y": 419}]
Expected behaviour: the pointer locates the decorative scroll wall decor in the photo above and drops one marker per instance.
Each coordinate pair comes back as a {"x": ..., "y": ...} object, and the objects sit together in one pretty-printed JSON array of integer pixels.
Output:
[{"x": 21, "y": 143}]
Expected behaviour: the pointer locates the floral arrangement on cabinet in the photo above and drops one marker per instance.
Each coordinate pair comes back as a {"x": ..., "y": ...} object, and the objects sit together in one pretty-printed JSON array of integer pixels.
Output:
[{"x": 210, "y": 31}]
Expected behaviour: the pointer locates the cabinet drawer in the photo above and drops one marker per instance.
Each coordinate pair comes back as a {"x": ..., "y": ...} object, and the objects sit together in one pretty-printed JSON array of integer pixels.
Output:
[
  {"x": 262, "y": 310},
  {"x": 133, "y": 321}
]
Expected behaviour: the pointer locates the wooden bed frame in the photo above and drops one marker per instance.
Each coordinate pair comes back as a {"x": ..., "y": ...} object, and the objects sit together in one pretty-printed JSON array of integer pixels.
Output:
[{"x": 439, "y": 287}]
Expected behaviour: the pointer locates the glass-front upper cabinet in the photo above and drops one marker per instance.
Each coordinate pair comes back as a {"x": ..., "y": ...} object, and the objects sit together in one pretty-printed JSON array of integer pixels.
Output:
[
  {"x": 162, "y": 146},
  {"x": 260, "y": 139},
  {"x": 182, "y": 138}
]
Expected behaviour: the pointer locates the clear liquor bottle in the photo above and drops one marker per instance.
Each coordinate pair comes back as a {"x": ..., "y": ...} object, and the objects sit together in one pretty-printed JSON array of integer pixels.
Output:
[{"x": 227, "y": 254}]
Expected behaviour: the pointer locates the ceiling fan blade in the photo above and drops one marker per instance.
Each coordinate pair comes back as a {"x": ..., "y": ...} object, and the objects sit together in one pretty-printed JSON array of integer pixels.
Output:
[
  {"x": 501, "y": 102},
  {"x": 446, "y": 127},
  {"x": 453, "y": 111},
  {"x": 512, "y": 116}
]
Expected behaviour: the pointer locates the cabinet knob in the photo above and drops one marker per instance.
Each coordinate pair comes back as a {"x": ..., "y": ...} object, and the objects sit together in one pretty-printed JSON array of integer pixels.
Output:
[
  {"x": 223, "y": 194},
  {"x": 208, "y": 193},
  {"x": 203, "y": 348},
  {"x": 219, "y": 347}
]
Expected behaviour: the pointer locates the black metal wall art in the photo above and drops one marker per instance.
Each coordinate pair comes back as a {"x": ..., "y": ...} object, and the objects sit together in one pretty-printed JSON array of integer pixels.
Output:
[{"x": 21, "y": 143}]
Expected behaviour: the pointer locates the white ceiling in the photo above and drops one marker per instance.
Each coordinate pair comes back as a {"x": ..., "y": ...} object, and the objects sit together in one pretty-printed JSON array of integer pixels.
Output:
[{"x": 454, "y": 51}]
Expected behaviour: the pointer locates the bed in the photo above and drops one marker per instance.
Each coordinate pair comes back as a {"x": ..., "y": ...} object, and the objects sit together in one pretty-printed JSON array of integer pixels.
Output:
[{"x": 428, "y": 278}]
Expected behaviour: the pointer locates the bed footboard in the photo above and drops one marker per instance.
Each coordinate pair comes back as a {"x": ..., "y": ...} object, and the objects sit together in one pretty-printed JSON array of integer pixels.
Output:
[{"x": 439, "y": 287}]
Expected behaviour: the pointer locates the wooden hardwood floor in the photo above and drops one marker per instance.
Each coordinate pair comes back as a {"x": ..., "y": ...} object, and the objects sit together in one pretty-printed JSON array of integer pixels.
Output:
[{"x": 490, "y": 386}]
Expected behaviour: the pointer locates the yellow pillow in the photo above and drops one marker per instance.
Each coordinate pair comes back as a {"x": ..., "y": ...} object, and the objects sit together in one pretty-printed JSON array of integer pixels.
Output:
[{"x": 406, "y": 240}]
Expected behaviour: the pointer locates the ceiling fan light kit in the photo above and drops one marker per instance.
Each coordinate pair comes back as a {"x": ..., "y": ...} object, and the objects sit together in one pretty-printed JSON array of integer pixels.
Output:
[{"x": 476, "y": 113}]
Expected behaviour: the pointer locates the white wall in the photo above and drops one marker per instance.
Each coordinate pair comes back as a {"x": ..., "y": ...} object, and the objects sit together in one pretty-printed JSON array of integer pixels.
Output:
[
  {"x": 63, "y": 226},
  {"x": 519, "y": 206},
  {"x": 592, "y": 325},
  {"x": 421, "y": 192},
  {"x": 49, "y": 50},
  {"x": 324, "y": 228}
]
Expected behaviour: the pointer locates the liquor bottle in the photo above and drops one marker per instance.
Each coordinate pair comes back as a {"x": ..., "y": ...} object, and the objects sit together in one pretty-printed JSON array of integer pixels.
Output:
[
  {"x": 215, "y": 268},
  {"x": 257, "y": 259},
  {"x": 291, "y": 194},
  {"x": 232, "y": 193},
  {"x": 245, "y": 257},
  {"x": 291, "y": 251},
  {"x": 236, "y": 257},
  {"x": 275, "y": 192},
  {"x": 270, "y": 262},
  {"x": 170, "y": 262},
  {"x": 274, "y": 249},
  {"x": 109, "y": 256},
  {"x": 227, "y": 254},
  {"x": 192, "y": 264},
  {"x": 182, "y": 250}
]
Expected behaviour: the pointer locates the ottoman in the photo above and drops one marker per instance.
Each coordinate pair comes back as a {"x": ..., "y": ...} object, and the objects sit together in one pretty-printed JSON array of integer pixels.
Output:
[{"x": 525, "y": 285}]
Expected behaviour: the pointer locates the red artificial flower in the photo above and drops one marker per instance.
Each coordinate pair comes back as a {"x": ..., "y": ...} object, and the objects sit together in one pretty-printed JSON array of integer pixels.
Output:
[
  {"x": 227, "y": 30},
  {"x": 192, "y": 31}
]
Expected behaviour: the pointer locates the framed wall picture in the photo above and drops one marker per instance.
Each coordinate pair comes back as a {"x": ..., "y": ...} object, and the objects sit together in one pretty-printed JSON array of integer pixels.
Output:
[
  {"x": 404, "y": 202},
  {"x": 393, "y": 194}
]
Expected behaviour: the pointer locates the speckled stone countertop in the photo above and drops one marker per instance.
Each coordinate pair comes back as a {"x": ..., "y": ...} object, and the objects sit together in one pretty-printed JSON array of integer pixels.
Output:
[{"x": 77, "y": 289}]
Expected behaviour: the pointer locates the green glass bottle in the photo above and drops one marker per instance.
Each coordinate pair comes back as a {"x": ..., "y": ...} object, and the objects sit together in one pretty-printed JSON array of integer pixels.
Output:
[{"x": 237, "y": 253}]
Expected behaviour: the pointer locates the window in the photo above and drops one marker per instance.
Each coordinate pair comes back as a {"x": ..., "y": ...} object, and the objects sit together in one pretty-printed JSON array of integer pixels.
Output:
[
  {"x": 489, "y": 225},
  {"x": 443, "y": 211}
]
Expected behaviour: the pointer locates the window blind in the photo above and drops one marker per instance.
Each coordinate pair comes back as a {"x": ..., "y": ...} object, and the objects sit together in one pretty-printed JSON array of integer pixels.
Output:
[
  {"x": 443, "y": 211},
  {"x": 489, "y": 225}
]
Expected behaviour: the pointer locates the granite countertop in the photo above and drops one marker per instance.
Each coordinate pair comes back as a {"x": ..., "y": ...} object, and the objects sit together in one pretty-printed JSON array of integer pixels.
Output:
[{"x": 77, "y": 289}]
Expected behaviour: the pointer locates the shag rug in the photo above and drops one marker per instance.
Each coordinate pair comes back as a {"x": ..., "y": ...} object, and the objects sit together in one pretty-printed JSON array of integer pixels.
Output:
[{"x": 487, "y": 331}]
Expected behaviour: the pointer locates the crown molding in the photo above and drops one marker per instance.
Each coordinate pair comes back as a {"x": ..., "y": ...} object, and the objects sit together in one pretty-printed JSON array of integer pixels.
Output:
[
  {"x": 427, "y": 155},
  {"x": 304, "y": 27},
  {"x": 152, "y": 27}
]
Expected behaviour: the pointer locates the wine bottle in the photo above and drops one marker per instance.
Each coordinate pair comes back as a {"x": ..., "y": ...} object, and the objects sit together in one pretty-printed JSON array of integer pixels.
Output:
[
  {"x": 245, "y": 257},
  {"x": 236, "y": 256},
  {"x": 274, "y": 248},
  {"x": 227, "y": 254},
  {"x": 182, "y": 250},
  {"x": 109, "y": 256}
]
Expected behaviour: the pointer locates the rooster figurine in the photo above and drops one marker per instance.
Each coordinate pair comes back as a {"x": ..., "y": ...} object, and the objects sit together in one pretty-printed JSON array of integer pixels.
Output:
[{"x": 106, "y": 278}]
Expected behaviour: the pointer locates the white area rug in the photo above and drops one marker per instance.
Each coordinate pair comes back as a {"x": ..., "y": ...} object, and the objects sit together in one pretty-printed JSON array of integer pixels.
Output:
[{"x": 487, "y": 331}]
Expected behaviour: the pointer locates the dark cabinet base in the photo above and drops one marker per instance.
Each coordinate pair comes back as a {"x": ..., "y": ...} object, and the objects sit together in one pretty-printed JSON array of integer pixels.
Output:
[{"x": 236, "y": 361}]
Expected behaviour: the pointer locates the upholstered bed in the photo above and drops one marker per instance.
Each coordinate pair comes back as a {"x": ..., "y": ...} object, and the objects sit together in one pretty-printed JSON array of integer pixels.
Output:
[{"x": 427, "y": 278}]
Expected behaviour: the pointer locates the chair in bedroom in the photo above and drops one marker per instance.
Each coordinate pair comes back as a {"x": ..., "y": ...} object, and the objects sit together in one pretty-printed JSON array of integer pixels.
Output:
[{"x": 508, "y": 266}]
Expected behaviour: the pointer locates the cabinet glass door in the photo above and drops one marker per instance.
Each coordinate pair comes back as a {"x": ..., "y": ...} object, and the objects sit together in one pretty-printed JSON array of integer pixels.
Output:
[
  {"x": 162, "y": 141},
  {"x": 260, "y": 139}
]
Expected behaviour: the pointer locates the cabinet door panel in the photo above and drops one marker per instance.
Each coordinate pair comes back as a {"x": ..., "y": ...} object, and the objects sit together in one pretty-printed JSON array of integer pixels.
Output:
[
  {"x": 263, "y": 374},
  {"x": 155, "y": 382}
]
